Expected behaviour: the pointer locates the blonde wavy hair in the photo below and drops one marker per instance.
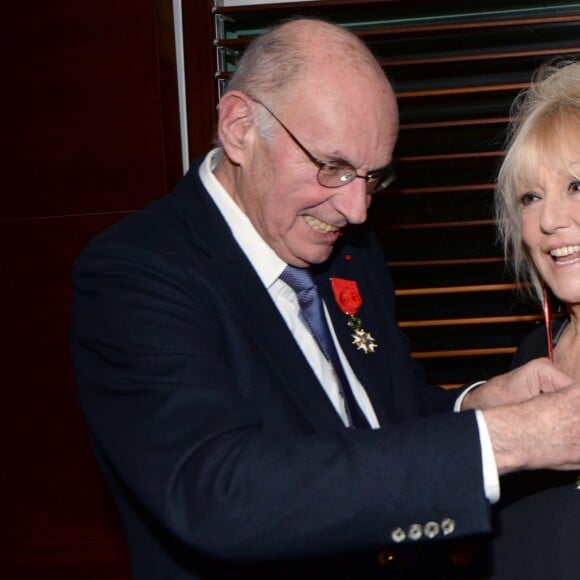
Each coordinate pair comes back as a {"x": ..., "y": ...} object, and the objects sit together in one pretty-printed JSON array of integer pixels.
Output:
[{"x": 545, "y": 117}]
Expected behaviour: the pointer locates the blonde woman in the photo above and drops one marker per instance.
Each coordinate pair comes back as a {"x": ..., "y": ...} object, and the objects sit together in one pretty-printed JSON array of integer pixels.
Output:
[{"x": 538, "y": 212}]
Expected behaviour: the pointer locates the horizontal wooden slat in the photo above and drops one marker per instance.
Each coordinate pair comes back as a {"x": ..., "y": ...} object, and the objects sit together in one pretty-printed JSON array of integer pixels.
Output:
[
  {"x": 464, "y": 352},
  {"x": 428, "y": 29},
  {"x": 469, "y": 321},
  {"x": 470, "y": 57},
  {"x": 450, "y": 386},
  {"x": 450, "y": 156},
  {"x": 440, "y": 189},
  {"x": 463, "y": 90},
  {"x": 449, "y": 262},
  {"x": 454, "y": 123},
  {"x": 455, "y": 289},
  {"x": 432, "y": 225}
]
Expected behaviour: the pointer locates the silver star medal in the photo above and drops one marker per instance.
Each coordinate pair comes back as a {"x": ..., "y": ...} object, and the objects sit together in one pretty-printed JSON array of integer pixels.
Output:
[{"x": 362, "y": 339}]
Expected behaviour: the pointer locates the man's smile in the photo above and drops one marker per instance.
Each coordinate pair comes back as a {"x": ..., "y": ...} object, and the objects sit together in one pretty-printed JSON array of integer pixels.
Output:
[{"x": 320, "y": 226}]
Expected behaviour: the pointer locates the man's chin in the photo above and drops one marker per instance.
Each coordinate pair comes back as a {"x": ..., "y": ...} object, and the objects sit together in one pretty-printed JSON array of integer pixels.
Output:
[{"x": 314, "y": 258}]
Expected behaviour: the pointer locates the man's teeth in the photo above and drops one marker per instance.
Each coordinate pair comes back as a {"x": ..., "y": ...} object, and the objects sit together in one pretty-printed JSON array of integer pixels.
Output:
[
  {"x": 319, "y": 226},
  {"x": 565, "y": 251}
]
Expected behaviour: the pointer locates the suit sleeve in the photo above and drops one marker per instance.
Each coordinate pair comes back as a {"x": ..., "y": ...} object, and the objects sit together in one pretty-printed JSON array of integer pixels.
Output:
[{"x": 184, "y": 442}]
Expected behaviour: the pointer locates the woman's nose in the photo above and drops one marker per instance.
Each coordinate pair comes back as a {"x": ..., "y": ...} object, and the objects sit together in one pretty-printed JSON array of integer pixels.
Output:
[{"x": 555, "y": 214}]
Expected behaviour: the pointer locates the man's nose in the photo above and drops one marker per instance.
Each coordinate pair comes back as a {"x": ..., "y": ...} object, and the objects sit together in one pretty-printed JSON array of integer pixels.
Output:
[{"x": 352, "y": 200}]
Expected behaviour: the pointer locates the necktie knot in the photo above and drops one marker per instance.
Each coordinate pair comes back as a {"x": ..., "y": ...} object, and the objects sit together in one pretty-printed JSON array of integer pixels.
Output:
[
  {"x": 299, "y": 279},
  {"x": 311, "y": 311}
]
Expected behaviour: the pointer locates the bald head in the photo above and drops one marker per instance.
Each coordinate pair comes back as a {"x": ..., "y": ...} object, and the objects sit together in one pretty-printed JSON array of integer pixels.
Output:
[
  {"x": 334, "y": 46},
  {"x": 276, "y": 64}
]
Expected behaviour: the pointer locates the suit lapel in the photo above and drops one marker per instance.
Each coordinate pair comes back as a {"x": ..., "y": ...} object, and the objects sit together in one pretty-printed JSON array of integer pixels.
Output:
[
  {"x": 372, "y": 369},
  {"x": 251, "y": 305}
]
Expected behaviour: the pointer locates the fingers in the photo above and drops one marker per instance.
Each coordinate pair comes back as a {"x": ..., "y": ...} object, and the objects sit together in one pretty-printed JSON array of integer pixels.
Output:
[
  {"x": 530, "y": 380},
  {"x": 534, "y": 378},
  {"x": 543, "y": 432},
  {"x": 556, "y": 421},
  {"x": 544, "y": 377}
]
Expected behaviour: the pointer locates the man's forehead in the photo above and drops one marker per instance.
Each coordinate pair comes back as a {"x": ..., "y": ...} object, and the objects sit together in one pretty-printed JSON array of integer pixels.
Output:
[{"x": 345, "y": 132}]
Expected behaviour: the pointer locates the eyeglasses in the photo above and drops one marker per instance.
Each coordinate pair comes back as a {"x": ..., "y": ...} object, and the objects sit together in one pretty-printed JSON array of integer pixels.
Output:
[{"x": 336, "y": 174}]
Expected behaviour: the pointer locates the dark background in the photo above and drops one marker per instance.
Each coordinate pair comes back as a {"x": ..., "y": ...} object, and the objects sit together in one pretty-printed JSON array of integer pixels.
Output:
[{"x": 89, "y": 133}]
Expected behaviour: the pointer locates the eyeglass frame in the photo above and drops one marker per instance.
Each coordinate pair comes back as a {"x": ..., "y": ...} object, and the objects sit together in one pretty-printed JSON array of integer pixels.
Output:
[{"x": 351, "y": 174}]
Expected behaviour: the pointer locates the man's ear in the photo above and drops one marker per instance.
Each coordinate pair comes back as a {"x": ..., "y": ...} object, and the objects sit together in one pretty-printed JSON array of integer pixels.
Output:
[{"x": 235, "y": 124}]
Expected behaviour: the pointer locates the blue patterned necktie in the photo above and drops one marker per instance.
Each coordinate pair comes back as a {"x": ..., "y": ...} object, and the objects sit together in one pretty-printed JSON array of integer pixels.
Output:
[{"x": 312, "y": 313}]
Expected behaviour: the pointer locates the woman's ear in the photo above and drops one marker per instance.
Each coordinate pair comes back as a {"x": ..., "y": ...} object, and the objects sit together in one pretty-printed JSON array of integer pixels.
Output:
[{"x": 235, "y": 124}]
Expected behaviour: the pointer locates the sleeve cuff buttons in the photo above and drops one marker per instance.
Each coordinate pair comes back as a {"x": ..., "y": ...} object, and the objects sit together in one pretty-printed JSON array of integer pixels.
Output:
[{"x": 430, "y": 530}]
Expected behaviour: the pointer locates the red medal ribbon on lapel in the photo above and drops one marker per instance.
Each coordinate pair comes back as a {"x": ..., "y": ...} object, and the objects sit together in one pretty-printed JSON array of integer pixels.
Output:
[
  {"x": 346, "y": 295},
  {"x": 349, "y": 300}
]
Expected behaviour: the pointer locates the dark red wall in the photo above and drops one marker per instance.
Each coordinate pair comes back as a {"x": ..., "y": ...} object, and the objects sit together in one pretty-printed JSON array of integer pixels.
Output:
[{"x": 89, "y": 133}]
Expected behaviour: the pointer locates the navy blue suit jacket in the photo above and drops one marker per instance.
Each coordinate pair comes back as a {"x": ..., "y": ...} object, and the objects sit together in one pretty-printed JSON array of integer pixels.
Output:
[{"x": 224, "y": 455}]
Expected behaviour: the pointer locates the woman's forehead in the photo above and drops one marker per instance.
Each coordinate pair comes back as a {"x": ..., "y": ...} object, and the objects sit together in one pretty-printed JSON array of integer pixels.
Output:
[{"x": 552, "y": 143}]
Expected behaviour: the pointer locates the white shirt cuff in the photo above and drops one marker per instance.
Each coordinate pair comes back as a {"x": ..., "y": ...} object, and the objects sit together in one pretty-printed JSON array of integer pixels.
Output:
[
  {"x": 490, "y": 475},
  {"x": 457, "y": 406}
]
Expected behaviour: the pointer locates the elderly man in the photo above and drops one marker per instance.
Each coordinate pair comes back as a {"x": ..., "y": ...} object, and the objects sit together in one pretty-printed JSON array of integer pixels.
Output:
[{"x": 250, "y": 398}]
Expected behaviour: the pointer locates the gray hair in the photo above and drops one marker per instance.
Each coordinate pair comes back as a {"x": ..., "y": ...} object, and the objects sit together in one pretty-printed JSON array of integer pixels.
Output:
[
  {"x": 541, "y": 115},
  {"x": 269, "y": 67}
]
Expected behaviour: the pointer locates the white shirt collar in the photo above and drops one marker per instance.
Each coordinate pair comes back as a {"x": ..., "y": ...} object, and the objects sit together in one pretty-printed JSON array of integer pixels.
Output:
[{"x": 265, "y": 261}]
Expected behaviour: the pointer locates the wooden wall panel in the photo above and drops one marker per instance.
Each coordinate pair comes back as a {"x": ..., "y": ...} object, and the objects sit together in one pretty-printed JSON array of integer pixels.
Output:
[
  {"x": 84, "y": 132},
  {"x": 55, "y": 506},
  {"x": 90, "y": 132}
]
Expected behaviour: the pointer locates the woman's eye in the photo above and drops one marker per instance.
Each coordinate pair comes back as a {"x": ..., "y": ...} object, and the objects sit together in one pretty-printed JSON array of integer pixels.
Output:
[
  {"x": 574, "y": 187},
  {"x": 528, "y": 198}
]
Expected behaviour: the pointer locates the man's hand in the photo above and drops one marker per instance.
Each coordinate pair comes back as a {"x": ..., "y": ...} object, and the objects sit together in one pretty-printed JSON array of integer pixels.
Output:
[
  {"x": 534, "y": 378},
  {"x": 543, "y": 432}
]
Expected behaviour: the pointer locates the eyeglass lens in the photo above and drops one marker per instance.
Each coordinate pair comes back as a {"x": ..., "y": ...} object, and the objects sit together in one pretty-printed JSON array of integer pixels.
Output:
[{"x": 338, "y": 175}]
